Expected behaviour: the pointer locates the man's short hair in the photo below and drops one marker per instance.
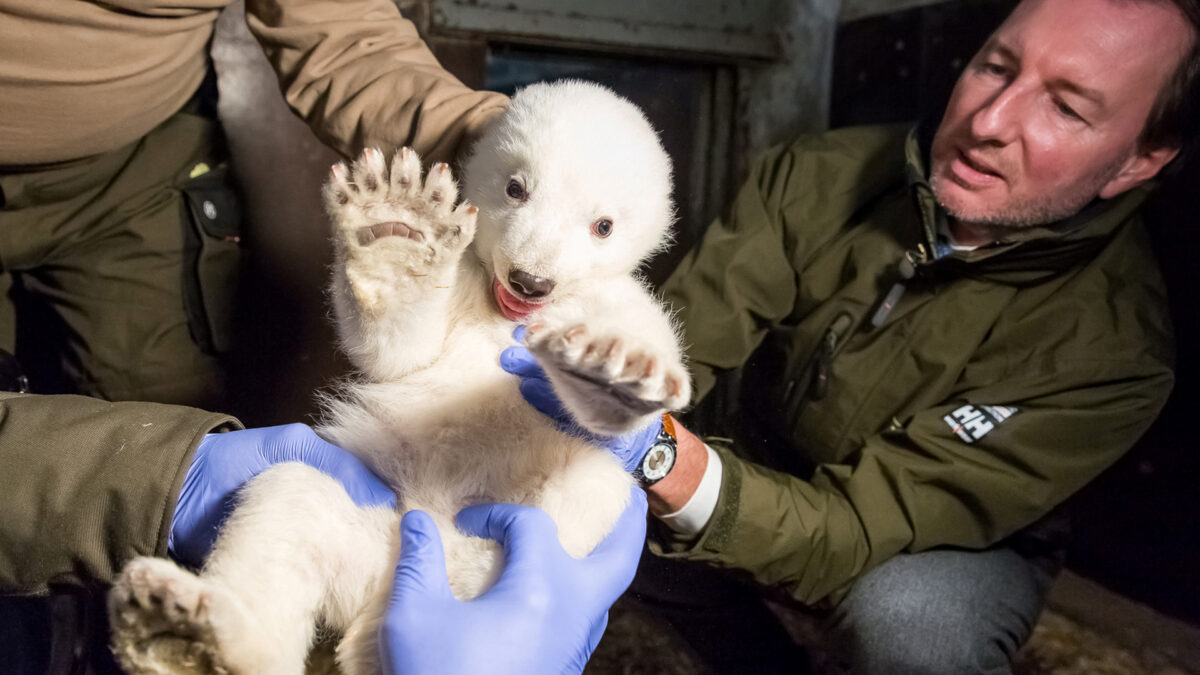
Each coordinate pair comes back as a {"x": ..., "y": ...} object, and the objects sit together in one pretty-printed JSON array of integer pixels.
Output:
[{"x": 1174, "y": 121}]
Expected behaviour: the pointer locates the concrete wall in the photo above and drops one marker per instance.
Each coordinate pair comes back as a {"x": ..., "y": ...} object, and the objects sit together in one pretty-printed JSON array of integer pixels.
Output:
[{"x": 791, "y": 95}]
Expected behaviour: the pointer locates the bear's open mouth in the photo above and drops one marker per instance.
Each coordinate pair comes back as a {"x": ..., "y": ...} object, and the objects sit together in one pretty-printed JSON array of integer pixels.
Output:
[{"x": 512, "y": 307}]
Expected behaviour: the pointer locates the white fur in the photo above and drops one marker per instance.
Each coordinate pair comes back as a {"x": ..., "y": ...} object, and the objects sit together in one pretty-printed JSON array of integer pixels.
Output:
[{"x": 433, "y": 412}]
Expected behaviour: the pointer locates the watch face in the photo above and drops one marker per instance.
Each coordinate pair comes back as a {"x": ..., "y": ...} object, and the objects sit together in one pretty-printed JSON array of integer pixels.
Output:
[{"x": 658, "y": 462}]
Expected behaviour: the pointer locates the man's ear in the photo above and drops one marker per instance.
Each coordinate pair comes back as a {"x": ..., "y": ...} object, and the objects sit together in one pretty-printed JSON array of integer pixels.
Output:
[{"x": 1139, "y": 168}]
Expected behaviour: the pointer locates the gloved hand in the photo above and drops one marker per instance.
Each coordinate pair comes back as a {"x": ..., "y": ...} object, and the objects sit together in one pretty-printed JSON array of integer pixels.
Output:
[
  {"x": 535, "y": 387},
  {"x": 546, "y": 614},
  {"x": 223, "y": 462}
]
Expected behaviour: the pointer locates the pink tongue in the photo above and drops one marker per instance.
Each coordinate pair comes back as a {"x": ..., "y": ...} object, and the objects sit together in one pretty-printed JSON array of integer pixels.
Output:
[{"x": 511, "y": 307}]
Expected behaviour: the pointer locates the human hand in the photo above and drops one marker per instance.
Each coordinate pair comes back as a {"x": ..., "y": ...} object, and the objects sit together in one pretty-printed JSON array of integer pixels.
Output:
[
  {"x": 546, "y": 614},
  {"x": 223, "y": 462},
  {"x": 536, "y": 388}
]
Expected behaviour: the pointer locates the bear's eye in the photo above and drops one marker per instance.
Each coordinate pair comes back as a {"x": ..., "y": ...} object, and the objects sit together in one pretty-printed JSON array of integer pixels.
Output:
[
  {"x": 515, "y": 190},
  {"x": 602, "y": 228}
]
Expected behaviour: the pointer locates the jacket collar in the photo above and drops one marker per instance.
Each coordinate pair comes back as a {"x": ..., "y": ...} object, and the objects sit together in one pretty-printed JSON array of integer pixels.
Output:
[{"x": 1032, "y": 255}]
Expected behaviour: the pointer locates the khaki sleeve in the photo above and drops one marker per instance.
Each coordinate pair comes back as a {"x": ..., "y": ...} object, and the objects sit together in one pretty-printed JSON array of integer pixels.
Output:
[
  {"x": 966, "y": 473},
  {"x": 87, "y": 484},
  {"x": 723, "y": 322},
  {"x": 360, "y": 75},
  {"x": 743, "y": 277}
]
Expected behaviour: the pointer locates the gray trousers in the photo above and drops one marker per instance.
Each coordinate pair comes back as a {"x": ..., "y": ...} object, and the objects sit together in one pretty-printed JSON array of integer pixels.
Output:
[{"x": 941, "y": 611}]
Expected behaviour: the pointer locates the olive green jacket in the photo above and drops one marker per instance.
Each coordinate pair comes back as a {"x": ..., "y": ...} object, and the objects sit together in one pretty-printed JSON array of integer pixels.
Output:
[
  {"x": 952, "y": 408},
  {"x": 85, "y": 484}
]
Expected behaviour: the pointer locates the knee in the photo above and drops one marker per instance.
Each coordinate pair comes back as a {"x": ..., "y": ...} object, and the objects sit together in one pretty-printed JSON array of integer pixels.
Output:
[
  {"x": 914, "y": 635},
  {"x": 924, "y": 625}
]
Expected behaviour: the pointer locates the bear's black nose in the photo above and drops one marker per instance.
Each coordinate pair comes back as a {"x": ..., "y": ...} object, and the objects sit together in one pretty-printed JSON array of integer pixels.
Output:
[{"x": 529, "y": 285}]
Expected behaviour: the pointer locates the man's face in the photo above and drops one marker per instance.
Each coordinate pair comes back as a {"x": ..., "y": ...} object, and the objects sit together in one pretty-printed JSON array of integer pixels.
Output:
[{"x": 1047, "y": 115}]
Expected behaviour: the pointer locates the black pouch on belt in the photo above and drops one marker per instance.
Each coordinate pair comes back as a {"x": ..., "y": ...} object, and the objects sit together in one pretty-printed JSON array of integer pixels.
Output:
[{"x": 212, "y": 256}]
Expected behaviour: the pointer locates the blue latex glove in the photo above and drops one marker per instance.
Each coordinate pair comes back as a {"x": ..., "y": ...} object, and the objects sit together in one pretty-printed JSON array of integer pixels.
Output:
[
  {"x": 535, "y": 387},
  {"x": 546, "y": 614},
  {"x": 223, "y": 462}
]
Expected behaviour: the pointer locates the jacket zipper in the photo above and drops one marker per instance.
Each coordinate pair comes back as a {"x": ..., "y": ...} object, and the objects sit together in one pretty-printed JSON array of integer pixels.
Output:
[
  {"x": 910, "y": 262},
  {"x": 824, "y": 357}
]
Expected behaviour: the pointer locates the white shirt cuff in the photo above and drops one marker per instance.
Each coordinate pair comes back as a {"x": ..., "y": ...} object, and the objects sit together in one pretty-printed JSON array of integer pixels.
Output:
[{"x": 695, "y": 513}]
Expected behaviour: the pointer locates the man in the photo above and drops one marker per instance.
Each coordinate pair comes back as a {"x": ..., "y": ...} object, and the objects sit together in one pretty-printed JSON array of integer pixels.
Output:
[{"x": 921, "y": 347}]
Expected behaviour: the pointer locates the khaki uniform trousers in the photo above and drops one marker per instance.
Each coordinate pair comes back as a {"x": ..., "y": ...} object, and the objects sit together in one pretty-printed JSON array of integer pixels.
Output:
[{"x": 122, "y": 268}]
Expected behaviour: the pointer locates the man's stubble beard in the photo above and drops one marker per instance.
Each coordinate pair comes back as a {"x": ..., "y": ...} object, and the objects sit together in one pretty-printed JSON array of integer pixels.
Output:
[{"x": 1038, "y": 210}]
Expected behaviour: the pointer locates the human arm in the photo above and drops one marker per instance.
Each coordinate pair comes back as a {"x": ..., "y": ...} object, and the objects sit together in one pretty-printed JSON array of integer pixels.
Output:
[
  {"x": 545, "y": 614},
  {"x": 88, "y": 484},
  {"x": 359, "y": 74},
  {"x": 919, "y": 485},
  {"x": 912, "y": 487}
]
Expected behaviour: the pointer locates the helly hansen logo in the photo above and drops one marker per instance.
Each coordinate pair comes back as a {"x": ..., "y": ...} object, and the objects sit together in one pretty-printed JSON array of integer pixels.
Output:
[{"x": 972, "y": 423}]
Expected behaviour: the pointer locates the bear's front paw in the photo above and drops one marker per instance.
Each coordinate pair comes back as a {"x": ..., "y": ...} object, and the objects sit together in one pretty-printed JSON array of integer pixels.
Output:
[
  {"x": 609, "y": 382},
  {"x": 385, "y": 217}
]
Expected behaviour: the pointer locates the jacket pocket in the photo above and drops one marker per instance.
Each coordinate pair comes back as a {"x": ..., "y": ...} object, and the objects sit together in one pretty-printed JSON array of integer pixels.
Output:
[
  {"x": 809, "y": 381},
  {"x": 212, "y": 257}
]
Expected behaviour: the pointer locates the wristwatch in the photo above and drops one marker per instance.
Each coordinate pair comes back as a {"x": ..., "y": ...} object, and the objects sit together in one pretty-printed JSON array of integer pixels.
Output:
[{"x": 660, "y": 458}]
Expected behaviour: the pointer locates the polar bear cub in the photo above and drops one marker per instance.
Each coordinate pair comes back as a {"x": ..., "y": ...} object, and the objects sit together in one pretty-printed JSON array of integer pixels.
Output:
[{"x": 567, "y": 193}]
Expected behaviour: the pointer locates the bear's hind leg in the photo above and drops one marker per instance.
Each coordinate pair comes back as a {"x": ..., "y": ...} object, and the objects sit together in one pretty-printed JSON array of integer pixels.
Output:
[{"x": 296, "y": 551}]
